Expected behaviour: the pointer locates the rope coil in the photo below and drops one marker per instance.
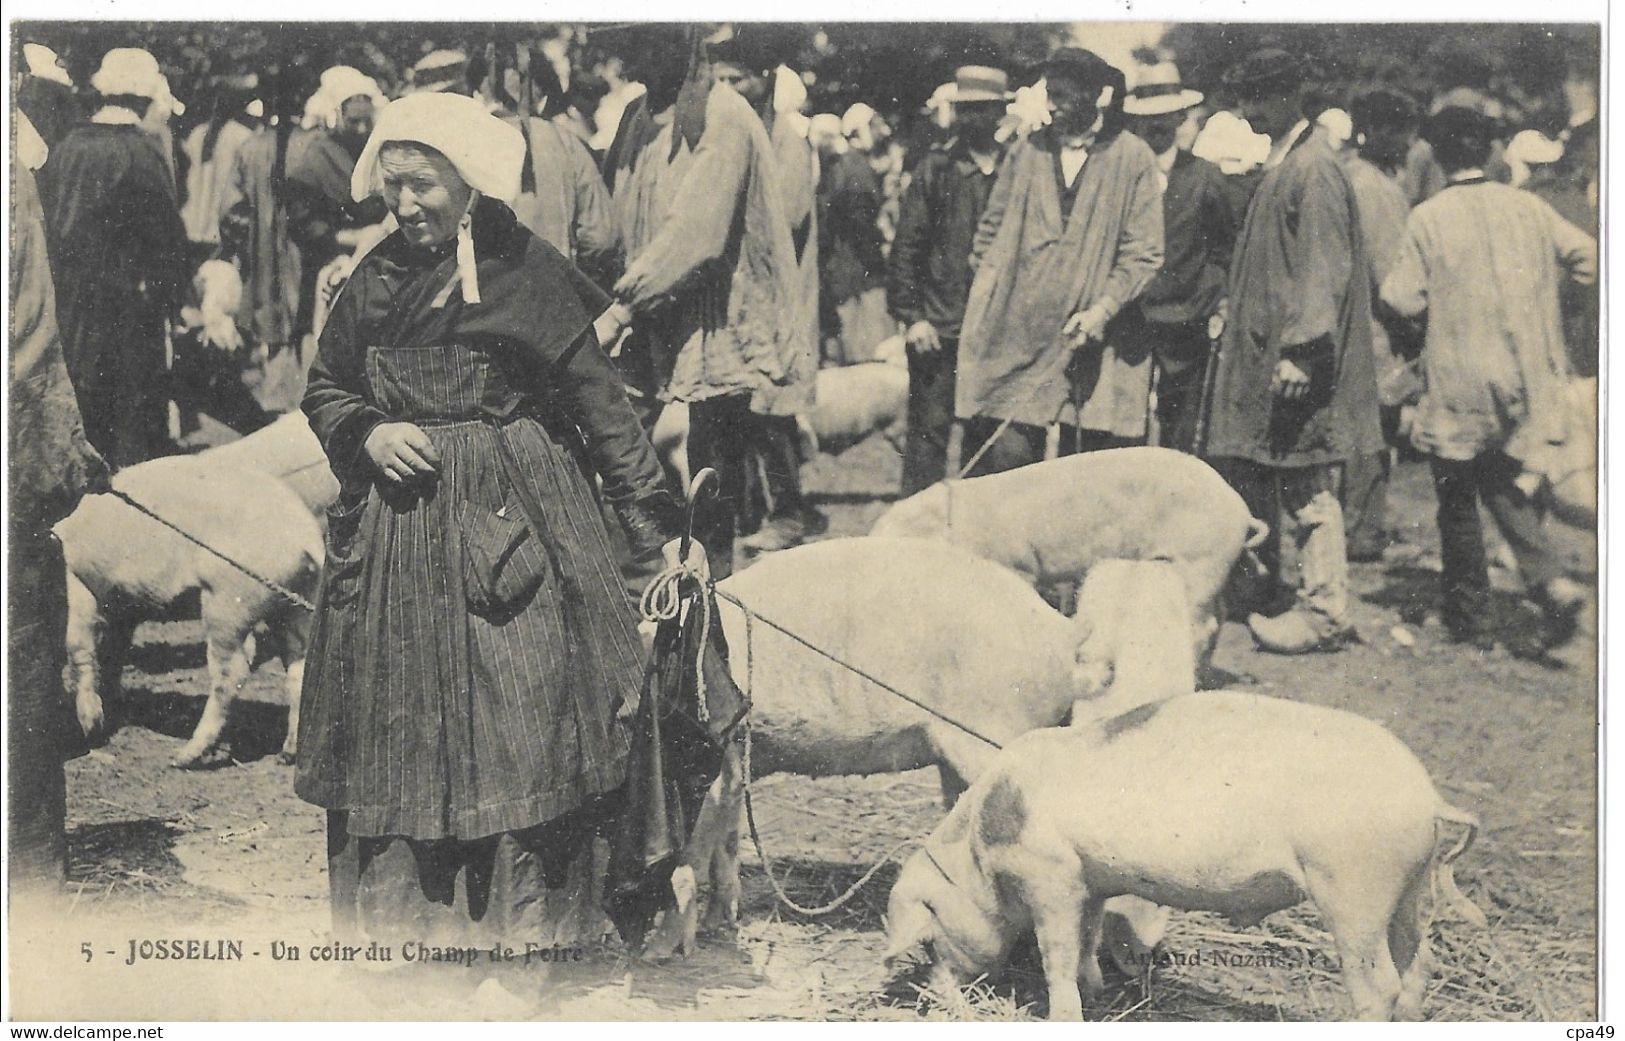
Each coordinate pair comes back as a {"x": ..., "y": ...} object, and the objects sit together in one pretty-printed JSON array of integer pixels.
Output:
[{"x": 662, "y": 601}]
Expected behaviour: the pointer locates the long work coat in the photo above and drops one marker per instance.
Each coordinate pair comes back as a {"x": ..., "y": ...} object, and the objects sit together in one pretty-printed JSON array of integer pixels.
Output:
[
  {"x": 256, "y": 227},
  {"x": 1487, "y": 263},
  {"x": 1036, "y": 265},
  {"x": 50, "y": 467},
  {"x": 1300, "y": 288},
  {"x": 566, "y": 202},
  {"x": 468, "y": 658},
  {"x": 711, "y": 265},
  {"x": 798, "y": 188},
  {"x": 118, "y": 257}
]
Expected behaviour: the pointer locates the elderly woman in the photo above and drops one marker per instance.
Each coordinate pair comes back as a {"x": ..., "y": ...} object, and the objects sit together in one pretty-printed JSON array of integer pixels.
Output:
[{"x": 472, "y": 646}]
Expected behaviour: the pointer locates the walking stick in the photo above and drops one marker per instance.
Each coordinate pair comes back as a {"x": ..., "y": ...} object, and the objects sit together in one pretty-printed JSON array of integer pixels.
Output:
[
  {"x": 706, "y": 476},
  {"x": 1204, "y": 405}
]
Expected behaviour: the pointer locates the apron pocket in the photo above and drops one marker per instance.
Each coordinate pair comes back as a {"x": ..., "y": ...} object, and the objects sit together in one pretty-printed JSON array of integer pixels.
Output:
[{"x": 503, "y": 562}]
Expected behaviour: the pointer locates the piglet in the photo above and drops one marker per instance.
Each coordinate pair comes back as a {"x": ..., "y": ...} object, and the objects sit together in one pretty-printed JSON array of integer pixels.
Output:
[{"x": 1219, "y": 801}]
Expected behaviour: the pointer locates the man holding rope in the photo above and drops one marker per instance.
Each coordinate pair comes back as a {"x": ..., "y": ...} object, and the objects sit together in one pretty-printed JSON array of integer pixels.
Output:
[{"x": 1083, "y": 238}]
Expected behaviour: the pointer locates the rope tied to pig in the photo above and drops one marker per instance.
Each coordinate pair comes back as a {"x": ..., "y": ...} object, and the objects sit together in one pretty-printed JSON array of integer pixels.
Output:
[
  {"x": 274, "y": 586},
  {"x": 767, "y": 868},
  {"x": 662, "y": 601}
]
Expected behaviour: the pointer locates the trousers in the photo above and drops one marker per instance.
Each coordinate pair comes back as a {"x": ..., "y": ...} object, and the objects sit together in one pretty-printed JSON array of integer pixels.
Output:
[
  {"x": 1460, "y": 485},
  {"x": 930, "y": 416},
  {"x": 1023, "y": 443},
  {"x": 1301, "y": 504},
  {"x": 721, "y": 433}
]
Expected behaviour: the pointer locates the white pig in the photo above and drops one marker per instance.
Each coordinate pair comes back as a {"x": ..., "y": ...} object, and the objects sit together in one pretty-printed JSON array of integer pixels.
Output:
[
  {"x": 1233, "y": 803},
  {"x": 124, "y": 567},
  {"x": 853, "y": 402},
  {"x": 286, "y": 449},
  {"x": 1052, "y": 521},
  {"x": 1133, "y": 647},
  {"x": 965, "y": 636}
]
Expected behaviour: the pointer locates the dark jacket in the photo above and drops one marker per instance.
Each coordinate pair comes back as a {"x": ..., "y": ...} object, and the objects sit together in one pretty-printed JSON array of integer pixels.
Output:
[
  {"x": 1300, "y": 288},
  {"x": 119, "y": 262},
  {"x": 1199, "y": 225},
  {"x": 928, "y": 275}
]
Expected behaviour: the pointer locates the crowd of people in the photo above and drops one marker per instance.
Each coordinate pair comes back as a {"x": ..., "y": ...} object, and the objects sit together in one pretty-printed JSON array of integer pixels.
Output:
[{"x": 1295, "y": 284}]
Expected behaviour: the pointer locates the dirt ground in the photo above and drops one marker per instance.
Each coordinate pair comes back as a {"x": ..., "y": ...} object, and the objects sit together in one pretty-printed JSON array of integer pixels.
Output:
[{"x": 230, "y": 853}]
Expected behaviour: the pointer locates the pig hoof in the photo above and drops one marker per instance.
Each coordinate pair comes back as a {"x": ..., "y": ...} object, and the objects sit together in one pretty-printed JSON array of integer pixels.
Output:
[
  {"x": 287, "y": 756},
  {"x": 93, "y": 721},
  {"x": 665, "y": 942},
  {"x": 718, "y": 926},
  {"x": 193, "y": 757}
]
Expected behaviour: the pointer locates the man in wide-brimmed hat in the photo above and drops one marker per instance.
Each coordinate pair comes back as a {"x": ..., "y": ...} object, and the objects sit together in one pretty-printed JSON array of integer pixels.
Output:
[
  {"x": 929, "y": 273},
  {"x": 1199, "y": 229},
  {"x": 1072, "y": 235},
  {"x": 1294, "y": 395}
]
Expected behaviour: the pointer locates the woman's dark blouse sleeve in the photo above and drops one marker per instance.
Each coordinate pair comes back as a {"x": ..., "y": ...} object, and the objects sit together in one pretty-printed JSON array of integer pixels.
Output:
[
  {"x": 339, "y": 415},
  {"x": 634, "y": 483}
]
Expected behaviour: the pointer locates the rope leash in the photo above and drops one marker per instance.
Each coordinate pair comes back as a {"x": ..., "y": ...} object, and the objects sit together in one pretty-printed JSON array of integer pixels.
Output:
[
  {"x": 848, "y": 666},
  {"x": 275, "y": 587},
  {"x": 767, "y": 868}
]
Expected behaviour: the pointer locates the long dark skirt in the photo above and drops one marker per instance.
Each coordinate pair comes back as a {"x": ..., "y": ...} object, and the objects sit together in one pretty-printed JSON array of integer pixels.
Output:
[{"x": 538, "y": 886}]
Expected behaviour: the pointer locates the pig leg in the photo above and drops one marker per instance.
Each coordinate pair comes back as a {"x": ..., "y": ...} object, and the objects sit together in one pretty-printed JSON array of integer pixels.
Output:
[
  {"x": 112, "y": 650},
  {"x": 1357, "y": 914},
  {"x": 85, "y": 625},
  {"x": 1060, "y": 921},
  {"x": 678, "y": 928},
  {"x": 228, "y": 670},
  {"x": 722, "y": 915},
  {"x": 1408, "y": 945},
  {"x": 295, "y": 636},
  {"x": 960, "y": 759},
  {"x": 953, "y": 785},
  {"x": 1091, "y": 926}
]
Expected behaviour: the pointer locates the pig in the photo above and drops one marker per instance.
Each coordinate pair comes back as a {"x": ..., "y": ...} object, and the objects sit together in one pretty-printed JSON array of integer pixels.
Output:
[
  {"x": 1132, "y": 648},
  {"x": 286, "y": 449},
  {"x": 1563, "y": 477},
  {"x": 1218, "y": 801},
  {"x": 1051, "y": 521},
  {"x": 219, "y": 289},
  {"x": 967, "y": 637},
  {"x": 853, "y": 402},
  {"x": 124, "y": 567}
]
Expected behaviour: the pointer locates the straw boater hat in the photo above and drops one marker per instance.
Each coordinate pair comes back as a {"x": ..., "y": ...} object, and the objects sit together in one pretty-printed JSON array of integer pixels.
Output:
[
  {"x": 487, "y": 153},
  {"x": 439, "y": 71},
  {"x": 978, "y": 83},
  {"x": 1158, "y": 91}
]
